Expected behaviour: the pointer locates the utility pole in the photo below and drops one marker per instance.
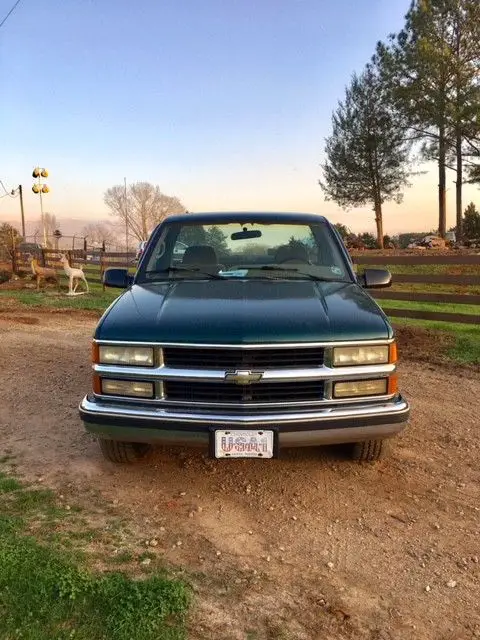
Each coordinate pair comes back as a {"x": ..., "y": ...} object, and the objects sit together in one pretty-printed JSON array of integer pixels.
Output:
[
  {"x": 126, "y": 214},
  {"x": 20, "y": 191},
  {"x": 22, "y": 211}
]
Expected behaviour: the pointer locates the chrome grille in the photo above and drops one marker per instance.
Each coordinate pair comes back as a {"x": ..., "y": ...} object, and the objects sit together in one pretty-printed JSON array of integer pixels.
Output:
[
  {"x": 275, "y": 358},
  {"x": 224, "y": 392}
]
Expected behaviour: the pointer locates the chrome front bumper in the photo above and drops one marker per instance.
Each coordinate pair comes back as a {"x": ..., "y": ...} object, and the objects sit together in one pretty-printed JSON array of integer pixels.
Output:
[{"x": 326, "y": 425}]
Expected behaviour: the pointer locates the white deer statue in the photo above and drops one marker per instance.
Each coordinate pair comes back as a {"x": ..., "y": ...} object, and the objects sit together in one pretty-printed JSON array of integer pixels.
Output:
[{"x": 73, "y": 274}]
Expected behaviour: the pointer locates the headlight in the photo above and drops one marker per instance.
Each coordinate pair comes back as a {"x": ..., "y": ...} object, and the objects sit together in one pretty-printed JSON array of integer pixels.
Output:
[
  {"x": 127, "y": 388},
  {"x": 353, "y": 356},
  {"x": 358, "y": 388},
  {"x": 133, "y": 356}
]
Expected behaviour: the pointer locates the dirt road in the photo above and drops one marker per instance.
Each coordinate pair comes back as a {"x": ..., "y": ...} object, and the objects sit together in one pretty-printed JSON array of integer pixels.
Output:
[{"x": 309, "y": 546}]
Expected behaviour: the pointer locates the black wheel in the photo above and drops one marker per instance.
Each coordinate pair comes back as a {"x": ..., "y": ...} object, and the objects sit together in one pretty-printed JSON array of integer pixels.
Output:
[
  {"x": 124, "y": 452},
  {"x": 370, "y": 450}
]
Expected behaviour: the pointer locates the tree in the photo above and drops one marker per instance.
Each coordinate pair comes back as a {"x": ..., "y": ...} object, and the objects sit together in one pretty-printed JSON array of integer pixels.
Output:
[
  {"x": 367, "y": 154},
  {"x": 343, "y": 230},
  {"x": 368, "y": 241},
  {"x": 352, "y": 241},
  {"x": 217, "y": 239},
  {"x": 431, "y": 67},
  {"x": 471, "y": 222},
  {"x": 465, "y": 32},
  {"x": 473, "y": 152},
  {"x": 192, "y": 234},
  {"x": 9, "y": 239},
  {"x": 474, "y": 175},
  {"x": 142, "y": 208},
  {"x": 99, "y": 233}
]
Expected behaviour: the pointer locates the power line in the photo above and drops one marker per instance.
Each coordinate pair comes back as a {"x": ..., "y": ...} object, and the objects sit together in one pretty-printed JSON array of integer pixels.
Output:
[
  {"x": 9, "y": 13},
  {"x": 7, "y": 192}
]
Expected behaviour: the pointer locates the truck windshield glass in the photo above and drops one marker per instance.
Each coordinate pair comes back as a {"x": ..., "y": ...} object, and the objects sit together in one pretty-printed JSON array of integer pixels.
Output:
[{"x": 245, "y": 250}]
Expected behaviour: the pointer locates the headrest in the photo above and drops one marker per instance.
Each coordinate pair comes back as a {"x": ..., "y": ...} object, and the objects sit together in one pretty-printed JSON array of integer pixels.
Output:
[
  {"x": 291, "y": 252},
  {"x": 200, "y": 254}
]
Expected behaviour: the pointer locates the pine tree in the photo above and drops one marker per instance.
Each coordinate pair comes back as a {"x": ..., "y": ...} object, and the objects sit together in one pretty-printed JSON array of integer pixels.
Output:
[
  {"x": 471, "y": 222},
  {"x": 366, "y": 155},
  {"x": 431, "y": 67}
]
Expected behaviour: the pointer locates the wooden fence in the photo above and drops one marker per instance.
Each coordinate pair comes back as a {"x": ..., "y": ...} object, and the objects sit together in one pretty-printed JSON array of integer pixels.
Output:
[
  {"x": 98, "y": 261},
  {"x": 450, "y": 279}
]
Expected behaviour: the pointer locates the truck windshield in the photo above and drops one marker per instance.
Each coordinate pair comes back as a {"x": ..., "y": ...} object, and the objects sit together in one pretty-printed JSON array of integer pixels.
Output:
[{"x": 245, "y": 250}]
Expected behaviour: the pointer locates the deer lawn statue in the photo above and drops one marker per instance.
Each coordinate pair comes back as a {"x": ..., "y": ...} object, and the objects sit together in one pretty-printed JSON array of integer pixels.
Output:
[
  {"x": 45, "y": 273},
  {"x": 73, "y": 274}
]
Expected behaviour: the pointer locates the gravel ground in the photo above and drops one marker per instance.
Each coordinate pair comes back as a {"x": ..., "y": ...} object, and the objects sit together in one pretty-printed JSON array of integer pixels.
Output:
[{"x": 308, "y": 546}]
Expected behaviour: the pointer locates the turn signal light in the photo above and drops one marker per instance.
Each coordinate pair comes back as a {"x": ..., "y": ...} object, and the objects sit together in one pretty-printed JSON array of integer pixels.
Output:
[
  {"x": 392, "y": 385},
  {"x": 393, "y": 354}
]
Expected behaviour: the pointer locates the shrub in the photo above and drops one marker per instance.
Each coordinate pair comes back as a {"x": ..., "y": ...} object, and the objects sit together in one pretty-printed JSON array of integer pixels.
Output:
[{"x": 4, "y": 275}]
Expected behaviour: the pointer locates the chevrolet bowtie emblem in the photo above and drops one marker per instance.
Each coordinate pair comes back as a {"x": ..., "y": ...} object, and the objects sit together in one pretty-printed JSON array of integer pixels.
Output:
[{"x": 243, "y": 377}]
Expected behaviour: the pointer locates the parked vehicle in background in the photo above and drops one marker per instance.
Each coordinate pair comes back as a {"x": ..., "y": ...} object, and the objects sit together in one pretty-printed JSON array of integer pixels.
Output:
[
  {"x": 428, "y": 242},
  {"x": 262, "y": 337},
  {"x": 94, "y": 256}
]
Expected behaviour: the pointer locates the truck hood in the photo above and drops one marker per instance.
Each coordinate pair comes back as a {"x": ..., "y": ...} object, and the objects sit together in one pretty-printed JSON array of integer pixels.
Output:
[{"x": 243, "y": 312}]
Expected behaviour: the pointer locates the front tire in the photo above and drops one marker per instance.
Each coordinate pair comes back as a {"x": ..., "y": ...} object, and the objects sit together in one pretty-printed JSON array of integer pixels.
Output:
[
  {"x": 370, "y": 450},
  {"x": 124, "y": 452}
]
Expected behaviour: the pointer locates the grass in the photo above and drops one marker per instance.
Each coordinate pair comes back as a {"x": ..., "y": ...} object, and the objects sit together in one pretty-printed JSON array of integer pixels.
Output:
[
  {"x": 465, "y": 338},
  {"x": 433, "y": 269},
  {"x": 446, "y": 307},
  {"x": 96, "y": 300},
  {"x": 47, "y": 594}
]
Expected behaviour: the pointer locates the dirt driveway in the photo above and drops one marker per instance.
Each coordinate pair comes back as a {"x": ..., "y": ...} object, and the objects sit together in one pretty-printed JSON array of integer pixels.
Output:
[{"x": 310, "y": 546}]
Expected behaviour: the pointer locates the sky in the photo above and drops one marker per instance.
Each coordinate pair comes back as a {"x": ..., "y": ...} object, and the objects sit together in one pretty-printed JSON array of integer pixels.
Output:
[{"x": 225, "y": 104}]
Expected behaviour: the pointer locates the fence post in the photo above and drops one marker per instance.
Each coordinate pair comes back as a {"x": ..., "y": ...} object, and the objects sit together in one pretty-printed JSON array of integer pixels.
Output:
[{"x": 102, "y": 267}]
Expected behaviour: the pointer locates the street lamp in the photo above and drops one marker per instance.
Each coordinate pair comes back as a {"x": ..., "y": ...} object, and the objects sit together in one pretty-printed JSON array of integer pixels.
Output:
[{"x": 40, "y": 188}]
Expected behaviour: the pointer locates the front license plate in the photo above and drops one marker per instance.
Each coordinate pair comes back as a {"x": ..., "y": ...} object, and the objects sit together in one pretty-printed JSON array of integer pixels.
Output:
[{"x": 238, "y": 443}]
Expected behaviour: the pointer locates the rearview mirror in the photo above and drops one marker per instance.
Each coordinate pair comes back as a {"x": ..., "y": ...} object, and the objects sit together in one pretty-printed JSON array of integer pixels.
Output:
[
  {"x": 376, "y": 278},
  {"x": 118, "y": 278},
  {"x": 246, "y": 235}
]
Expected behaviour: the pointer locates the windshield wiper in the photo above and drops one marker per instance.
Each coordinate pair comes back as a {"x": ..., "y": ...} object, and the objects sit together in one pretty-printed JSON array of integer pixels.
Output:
[
  {"x": 213, "y": 276},
  {"x": 310, "y": 276}
]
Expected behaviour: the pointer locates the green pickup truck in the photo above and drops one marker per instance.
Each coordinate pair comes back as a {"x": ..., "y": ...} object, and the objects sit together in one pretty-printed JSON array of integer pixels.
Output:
[{"x": 257, "y": 335}]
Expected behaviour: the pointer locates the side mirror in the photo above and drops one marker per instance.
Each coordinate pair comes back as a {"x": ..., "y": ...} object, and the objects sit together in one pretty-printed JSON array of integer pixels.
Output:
[
  {"x": 118, "y": 278},
  {"x": 376, "y": 278}
]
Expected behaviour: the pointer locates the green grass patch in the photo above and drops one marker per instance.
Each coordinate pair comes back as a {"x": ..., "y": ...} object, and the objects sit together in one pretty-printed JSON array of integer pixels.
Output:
[
  {"x": 122, "y": 558},
  {"x": 96, "y": 300},
  {"x": 466, "y": 349},
  {"x": 465, "y": 338},
  {"x": 8, "y": 484},
  {"x": 468, "y": 309},
  {"x": 425, "y": 269},
  {"x": 46, "y": 594}
]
